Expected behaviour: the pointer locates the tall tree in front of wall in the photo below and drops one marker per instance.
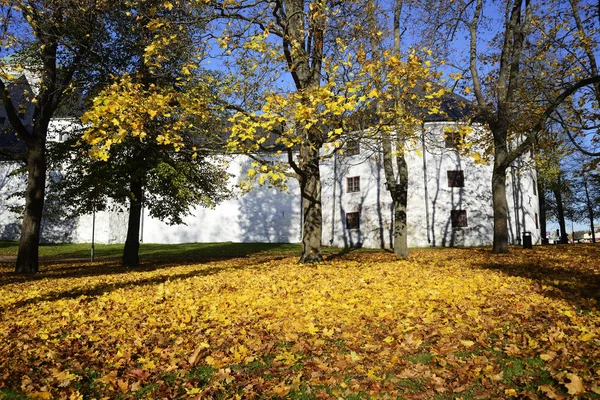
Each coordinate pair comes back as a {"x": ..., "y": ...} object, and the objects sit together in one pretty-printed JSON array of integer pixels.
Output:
[
  {"x": 151, "y": 134},
  {"x": 305, "y": 83},
  {"x": 54, "y": 44},
  {"x": 507, "y": 40},
  {"x": 407, "y": 80}
]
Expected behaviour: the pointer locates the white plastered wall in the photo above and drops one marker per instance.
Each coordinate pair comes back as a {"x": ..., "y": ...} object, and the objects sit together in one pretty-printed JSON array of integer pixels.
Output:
[{"x": 271, "y": 215}]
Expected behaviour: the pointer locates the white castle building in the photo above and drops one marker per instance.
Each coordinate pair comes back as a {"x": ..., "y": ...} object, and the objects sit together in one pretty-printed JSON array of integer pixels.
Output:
[{"x": 449, "y": 202}]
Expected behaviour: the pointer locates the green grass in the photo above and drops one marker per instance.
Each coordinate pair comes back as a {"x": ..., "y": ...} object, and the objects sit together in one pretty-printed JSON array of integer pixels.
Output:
[
  {"x": 171, "y": 252},
  {"x": 201, "y": 375},
  {"x": 411, "y": 385},
  {"x": 82, "y": 250},
  {"x": 8, "y": 394},
  {"x": 421, "y": 358}
]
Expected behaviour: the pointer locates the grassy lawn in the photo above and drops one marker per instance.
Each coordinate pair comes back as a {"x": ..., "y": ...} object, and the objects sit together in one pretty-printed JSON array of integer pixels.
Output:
[
  {"x": 227, "y": 320},
  {"x": 152, "y": 250}
]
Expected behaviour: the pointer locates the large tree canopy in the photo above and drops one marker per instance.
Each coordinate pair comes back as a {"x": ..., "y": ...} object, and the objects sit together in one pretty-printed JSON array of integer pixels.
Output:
[
  {"x": 153, "y": 127},
  {"x": 526, "y": 62},
  {"x": 57, "y": 45},
  {"x": 307, "y": 82}
]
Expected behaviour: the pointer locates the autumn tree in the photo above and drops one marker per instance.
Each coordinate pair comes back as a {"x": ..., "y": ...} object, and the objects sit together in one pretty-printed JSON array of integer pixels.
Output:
[
  {"x": 151, "y": 134},
  {"x": 298, "y": 38},
  {"x": 56, "y": 41},
  {"x": 307, "y": 84},
  {"x": 406, "y": 82},
  {"x": 138, "y": 174},
  {"x": 588, "y": 192},
  {"x": 515, "y": 103},
  {"x": 584, "y": 185}
]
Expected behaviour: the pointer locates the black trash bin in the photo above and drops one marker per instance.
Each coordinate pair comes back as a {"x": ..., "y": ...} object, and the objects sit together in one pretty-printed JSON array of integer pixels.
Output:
[{"x": 527, "y": 244}]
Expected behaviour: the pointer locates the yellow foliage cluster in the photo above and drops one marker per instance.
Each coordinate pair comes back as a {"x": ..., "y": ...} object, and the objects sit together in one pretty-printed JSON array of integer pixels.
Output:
[
  {"x": 444, "y": 322},
  {"x": 130, "y": 108},
  {"x": 343, "y": 104}
]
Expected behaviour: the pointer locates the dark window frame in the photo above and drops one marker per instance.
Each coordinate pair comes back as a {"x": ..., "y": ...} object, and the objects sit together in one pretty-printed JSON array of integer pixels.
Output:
[
  {"x": 459, "y": 218},
  {"x": 456, "y": 178},
  {"x": 353, "y": 184},
  {"x": 352, "y": 147},
  {"x": 353, "y": 220},
  {"x": 452, "y": 139}
]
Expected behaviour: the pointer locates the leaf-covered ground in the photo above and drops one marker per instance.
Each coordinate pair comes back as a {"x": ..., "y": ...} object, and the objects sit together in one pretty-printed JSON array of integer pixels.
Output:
[{"x": 448, "y": 323}]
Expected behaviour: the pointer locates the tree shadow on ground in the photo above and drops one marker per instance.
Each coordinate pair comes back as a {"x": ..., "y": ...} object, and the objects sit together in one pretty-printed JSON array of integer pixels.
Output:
[
  {"x": 344, "y": 251},
  {"x": 154, "y": 257},
  {"x": 575, "y": 279},
  {"x": 98, "y": 290}
]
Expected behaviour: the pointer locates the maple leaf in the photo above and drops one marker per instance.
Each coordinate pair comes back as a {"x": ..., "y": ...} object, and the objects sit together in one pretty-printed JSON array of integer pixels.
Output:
[
  {"x": 512, "y": 350},
  {"x": 194, "y": 357},
  {"x": 138, "y": 374},
  {"x": 110, "y": 379},
  {"x": 64, "y": 378},
  {"x": 575, "y": 386},
  {"x": 122, "y": 385},
  {"x": 550, "y": 392}
]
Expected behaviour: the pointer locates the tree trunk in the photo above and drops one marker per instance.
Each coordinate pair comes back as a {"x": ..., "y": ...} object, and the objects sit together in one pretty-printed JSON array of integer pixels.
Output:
[
  {"x": 400, "y": 199},
  {"x": 398, "y": 189},
  {"x": 561, "y": 212},
  {"x": 27, "y": 258},
  {"x": 590, "y": 209},
  {"x": 132, "y": 243},
  {"x": 542, "y": 206},
  {"x": 500, "y": 206},
  {"x": 310, "y": 190}
]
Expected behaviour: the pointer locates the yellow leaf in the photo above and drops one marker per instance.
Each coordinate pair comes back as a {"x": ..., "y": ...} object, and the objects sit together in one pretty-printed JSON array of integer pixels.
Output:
[
  {"x": 548, "y": 356},
  {"x": 512, "y": 350},
  {"x": 150, "y": 49},
  {"x": 328, "y": 332},
  {"x": 373, "y": 93},
  {"x": 575, "y": 386},
  {"x": 586, "y": 336},
  {"x": 549, "y": 392},
  {"x": 110, "y": 379},
  {"x": 40, "y": 395},
  {"x": 122, "y": 385},
  {"x": 149, "y": 365},
  {"x": 313, "y": 330},
  {"x": 467, "y": 343},
  {"x": 65, "y": 378},
  {"x": 168, "y": 5}
]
